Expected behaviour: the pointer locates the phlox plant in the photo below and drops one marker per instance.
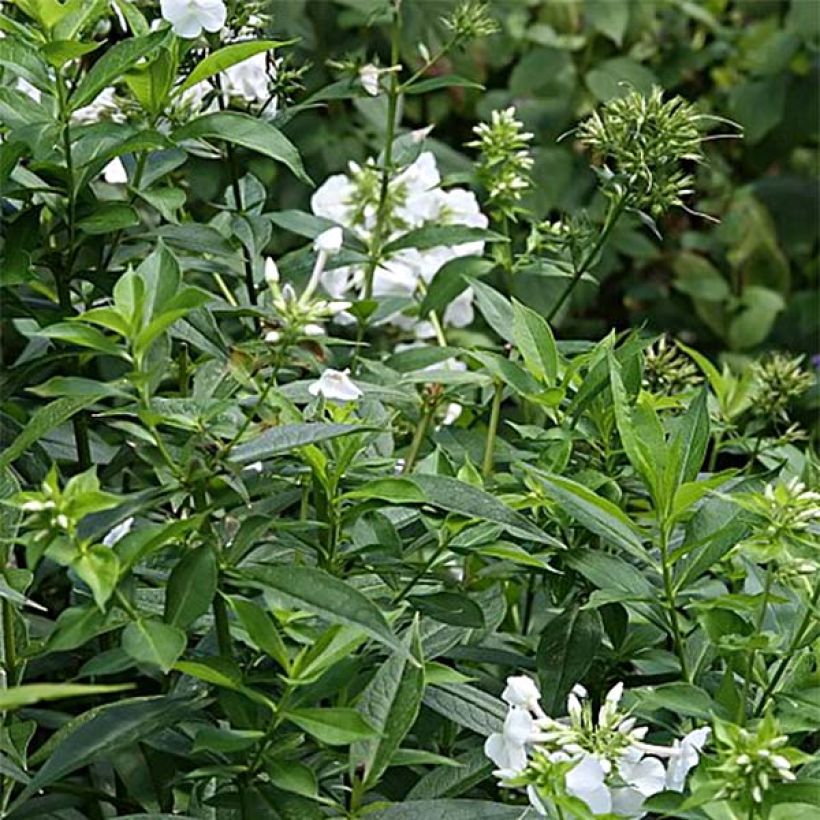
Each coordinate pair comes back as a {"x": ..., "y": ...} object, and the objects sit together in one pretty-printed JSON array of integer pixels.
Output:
[{"x": 351, "y": 530}]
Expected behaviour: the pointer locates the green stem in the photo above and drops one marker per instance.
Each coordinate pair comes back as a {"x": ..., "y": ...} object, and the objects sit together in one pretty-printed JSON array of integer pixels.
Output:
[
  {"x": 418, "y": 438},
  {"x": 805, "y": 624},
  {"x": 615, "y": 210},
  {"x": 669, "y": 591},
  {"x": 9, "y": 645},
  {"x": 63, "y": 278},
  {"x": 379, "y": 231},
  {"x": 750, "y": 661},
  {"x": 713, "y": 456},
  {"x": 492, "y": 430},
  {"x": 222, "y": 626}
]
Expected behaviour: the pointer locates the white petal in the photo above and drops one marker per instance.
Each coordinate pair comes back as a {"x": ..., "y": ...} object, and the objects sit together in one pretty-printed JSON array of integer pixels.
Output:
[
  {"x": 329, "y": 241},
  {"x": 114, "y": 173},
  {"x": 521, "y": 691}
]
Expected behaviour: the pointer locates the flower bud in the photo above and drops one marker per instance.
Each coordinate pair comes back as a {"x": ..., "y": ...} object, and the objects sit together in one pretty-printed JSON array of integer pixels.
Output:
[
  {"x": 329, "y": 241},
  {"x": 271, "y": 272}
]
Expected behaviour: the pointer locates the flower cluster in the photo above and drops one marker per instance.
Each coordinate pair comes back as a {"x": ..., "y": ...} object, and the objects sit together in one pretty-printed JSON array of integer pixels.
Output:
[
  {"x": 642, "y": 142},
  {"x": 470, "y": 20},
  {"x": 299, "y": 316},
  {"x": 414, "y": 200},
  {"x": 604, "y": 763},
  {"x": 780, "y": 379},
  {"x": 788, "y": 520},
  {"x": 667, "y": 370},
  {"x": 751, "y": 762},
  {"x": 504, "y": 163}
]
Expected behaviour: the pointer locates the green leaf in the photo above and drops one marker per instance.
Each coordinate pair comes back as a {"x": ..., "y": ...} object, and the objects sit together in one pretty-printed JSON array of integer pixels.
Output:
[
  {"x": 59, "y": 52},
  {"x": 98, "y": 567},
  {"x": 682, "y": 699},
  {"x": 533, "y": 337},
  {"x": 261, "y": 630},
  {"x": 495, "y": 308},
  {"x": 287, "y": 437},
  {"x": 217, "y": 671},
  {"x": 618, "y": 77},
  {"x": 450, "y": 810},
  {"x": 336, "y": 727},
  {"x": 30, "y": 693},
  {"x": 249, "y": 132},
  {"x": 443, "y": 781},
  {"x": 109, "y": 217},
  {"x": 216, "y": 739},
  {"x": 224, "y": 58},
  {"x": 390, "y": 704},
  {"x": 100, "y": 733},
  {"x": 610, "y": 17},
  {"x": 113, "y": 64},
  {"x": 84, "y": 336},
  {"x": 595, "y": 513},
  {"x": 153, "y": 642},
  {"x": 450, "y": 608},
  {"x": 316, "y": 591},
  {"x": 44, "y": 420},
  {"x": 292, "y": 776},
  {"x": 433, "y": 236},
  {"x": 467, "y": 706},
  {"x": 688, "y": 448},
  {"x": 191, "y": 587},
  {"x": 565, "y": 652},
  {"x": 450, "y": 280}
]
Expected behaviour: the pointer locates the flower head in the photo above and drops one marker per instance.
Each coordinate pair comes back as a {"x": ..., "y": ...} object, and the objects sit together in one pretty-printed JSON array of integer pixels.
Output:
[
  {"x": 189, "y": 17},
  {"x": 336, "y": 386},
  {"x": 369, "y": 78}
]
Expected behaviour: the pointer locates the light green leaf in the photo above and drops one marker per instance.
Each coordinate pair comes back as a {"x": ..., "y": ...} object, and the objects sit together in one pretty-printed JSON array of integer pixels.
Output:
[
  {"x": 467, "y": 706},
  {"x": 595, "y": 513},
  {"x": 432, "y": 236},
  {"x": 336, "y": 727},
  {"x": 534, "y": 339},
  {"x": 153, "y": 642},
  {"x": 30, "y": 693},
  {"x": 113, "y": 64},
  {"x": 224, "y": 58},
  {"x": 98, "y": 567},
  {"x": 495, "y": 308},
  {"x": 449, "y": 810}
]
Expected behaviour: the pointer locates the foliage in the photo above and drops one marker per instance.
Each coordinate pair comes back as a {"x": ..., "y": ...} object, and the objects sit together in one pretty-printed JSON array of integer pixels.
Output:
[{"x": 314, "y": 504}]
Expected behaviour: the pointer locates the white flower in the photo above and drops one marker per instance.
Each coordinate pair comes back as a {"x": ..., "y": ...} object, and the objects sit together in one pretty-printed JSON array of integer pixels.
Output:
[
  {"x": 451, "y": 414},
  {"x": 369, "y": 78},
  {"x": 247, "y": 80},
  {"x": 333, "y": 199},
  {"x": 586, "y": 782},
  {"x": 335, "y": 385},
  {"x": 272, "y": 337},
  {"x": 118, "y": 532},
  {"x": 253, "y": 467},
  {"x": 507, "y": 749},
  {"x": 271, "y": 272},
  {"x": 189, "y": 17},
  {"x": 114, "y": 173},
  {"x": 103, "y": 107},
  {"x": 329, "y": 242},
  {"x": 685, "y": 756},
  {"x": 522, "y": 691},
  {"x": 313, "y": 329}
]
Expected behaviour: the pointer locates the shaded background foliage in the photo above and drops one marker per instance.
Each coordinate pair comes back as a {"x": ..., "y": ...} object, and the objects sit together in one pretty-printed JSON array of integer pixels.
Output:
[{"x": 744, "y": 285}]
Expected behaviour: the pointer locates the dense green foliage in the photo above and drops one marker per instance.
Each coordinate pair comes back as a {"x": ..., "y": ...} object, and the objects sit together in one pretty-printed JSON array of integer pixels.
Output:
[{"x": 357, "y": 469}]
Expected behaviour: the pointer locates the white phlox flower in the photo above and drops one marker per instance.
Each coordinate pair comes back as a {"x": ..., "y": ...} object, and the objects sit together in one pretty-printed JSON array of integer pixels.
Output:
[
  {"x": 508, "y": 748},
  {"x": 189, "y": 17},
  {"x": 335, "y": 386},
  {"x": 369, "y": 79}
]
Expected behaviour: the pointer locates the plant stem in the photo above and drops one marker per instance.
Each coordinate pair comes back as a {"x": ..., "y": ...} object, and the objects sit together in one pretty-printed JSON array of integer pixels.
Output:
[
  {"x": 713, "y": 456},
  {"x": 771, "y": 687},
  {"x": 379, "y": 231},
  {"x": 9, "y": 645},
  {"x": 221, "y": 625},
  {"x": 750, "y": 661},
  {"x": 418, "y": 438},
  {"x": 64, "y": 277},
  {"x": 615, "y": 210},
  {"x": 492, "y": 430},
  {"x": 669, "y": 591}
]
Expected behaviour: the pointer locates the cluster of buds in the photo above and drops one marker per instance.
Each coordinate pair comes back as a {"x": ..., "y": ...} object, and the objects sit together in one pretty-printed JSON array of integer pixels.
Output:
[
  {"x": 248, "y": 21},
  {"x": 504, "y": 163},
  {"x": 780, "y": 380},
  {"x": 565, "y": 241},
  {"x": 303, "y": 316},
  {"x": 751, "y": 762},
  {"x": 470, "y": 20},
  {"x": 642, "y": 142},
  {"x": 667, "y": 370},
  {"x": 601, "y": 760},
  {"x": 788, "y": 517}
]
